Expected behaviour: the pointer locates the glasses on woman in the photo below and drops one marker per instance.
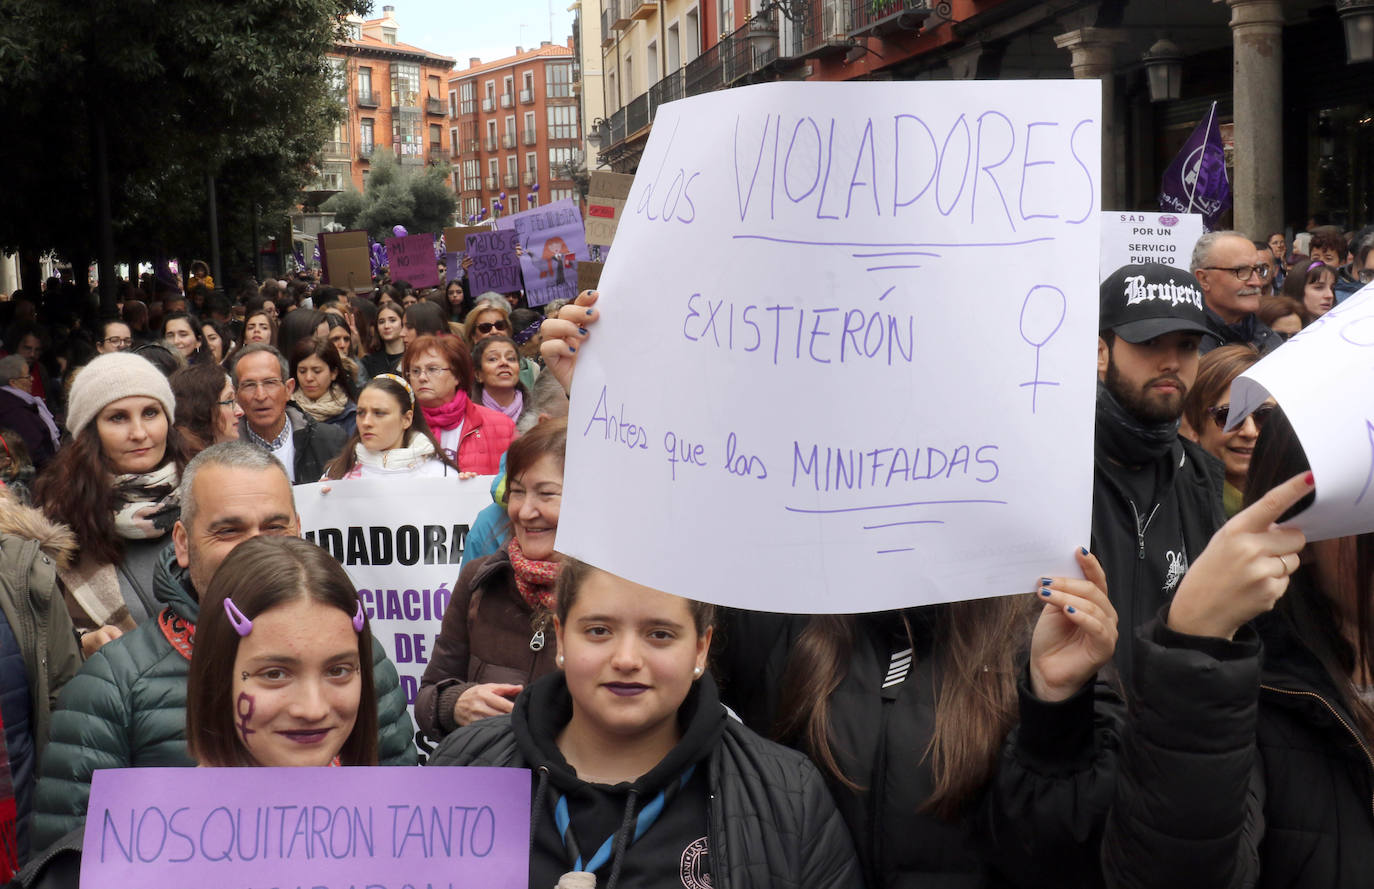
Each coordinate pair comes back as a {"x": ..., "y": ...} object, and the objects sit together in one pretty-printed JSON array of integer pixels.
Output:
[
  {"x": 429, "y": 370},
  {"x": 1260, "y": 415},
  {"x": 489, "y": 326}
]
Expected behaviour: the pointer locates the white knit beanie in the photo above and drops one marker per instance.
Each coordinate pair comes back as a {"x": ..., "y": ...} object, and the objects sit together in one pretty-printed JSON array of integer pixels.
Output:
[{"x": 111, "y": 377}]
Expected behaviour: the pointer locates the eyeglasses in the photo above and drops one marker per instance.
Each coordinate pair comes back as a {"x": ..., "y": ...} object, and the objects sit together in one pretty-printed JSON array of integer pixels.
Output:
[
  {"x": 228, "y": 402},
  {"x": 1242, "y": 272},
  {"x": 432, "y": 370},
  {"x": 251, "y": 387},
  {"x": 1260, "y": 415},
  {"x": 489, "y": 326},
  {"x": 122, "y": 342}
]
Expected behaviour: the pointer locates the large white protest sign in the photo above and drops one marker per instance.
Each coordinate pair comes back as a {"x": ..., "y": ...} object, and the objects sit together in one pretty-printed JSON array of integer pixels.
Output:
[
  {"x": 401, "y": 543},
  {"x": 847, "y": 357},
  {"x": 1130, "y": 238},
  {"x": 1323, "y": 378}
]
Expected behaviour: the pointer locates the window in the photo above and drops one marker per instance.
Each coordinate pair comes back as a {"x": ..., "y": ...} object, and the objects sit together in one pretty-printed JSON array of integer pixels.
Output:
[
  {"x": 407, "y": 133},
  {"x": 674, "y": 48},
  {"x": 338, "y": 79},
  {"x": 508, "y": 86},
  {"x": 491, "y": 89},
  {"x": 435, "y": 91},
  {"x": 513, "y": 167},
  {"x": 559, "y": 81},
  {"x": 613, "y": 93},
  {"x": 474, "y": 206},
  {"x": 453, "y": 139},
  {"x": 560, "y": 194},
  {"x": 510, "y": 129},
  {"x": 529, "y": 127},
  {"x": 467, "y": 97},
  {"x": 527, "y": 86},
  {"x": 364, "y": 84},
  {"x": 727, "y": 16},
  {"x": 562, "y": 122},
  {"x": 405, "y": 85},
  {"x": 355, "y": 31},
  {"x": 558, "y": 159},
  {"x": 366, "y": 138},
  {"x": 494, "y": 211},
  {"x": 691, "y": 36},
  {"x": 436, "y": 137},
  {"x": 532, "y": 164},
  {"x": 452, "y": 103},
  {"x": 653, "y": 74},
  {"x": 389, "y": 35},
  {"x": 629, "y": 79},
  {"x": 493, "y": 168}
]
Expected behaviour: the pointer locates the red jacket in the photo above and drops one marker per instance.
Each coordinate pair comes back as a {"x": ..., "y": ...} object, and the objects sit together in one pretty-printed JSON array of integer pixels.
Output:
[{"x": 486, "y": 435}]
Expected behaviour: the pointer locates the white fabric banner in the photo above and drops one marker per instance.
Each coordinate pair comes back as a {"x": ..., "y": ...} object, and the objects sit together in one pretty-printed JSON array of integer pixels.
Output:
[{"x": 847, "y": 360}]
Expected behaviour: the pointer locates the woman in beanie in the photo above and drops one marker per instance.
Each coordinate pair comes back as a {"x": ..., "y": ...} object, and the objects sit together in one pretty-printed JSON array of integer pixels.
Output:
[{"x": 115, "y": 485}]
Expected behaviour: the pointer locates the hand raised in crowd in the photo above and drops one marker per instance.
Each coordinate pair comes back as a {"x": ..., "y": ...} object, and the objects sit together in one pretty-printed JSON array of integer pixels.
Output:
[
  {"x": 93, "y": 641},
  {"x": 565, "y": 334},
  {"x": 1245, "y": 568},
  {"x": 482, "y": 701},
  {"x": 466, "y": 263},
  {"x": 1075, "y": 634}
]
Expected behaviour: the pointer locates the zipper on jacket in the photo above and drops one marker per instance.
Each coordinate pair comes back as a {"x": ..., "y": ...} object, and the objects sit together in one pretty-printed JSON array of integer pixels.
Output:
[
  {"x": 1339, "y": 718},
  {"x": 1140, "y": 528}
]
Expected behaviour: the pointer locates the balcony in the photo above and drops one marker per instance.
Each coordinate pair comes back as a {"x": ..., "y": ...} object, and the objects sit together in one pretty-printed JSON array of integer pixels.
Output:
[
  {"x": 667, "y": 90},
  {"x": 620, "y": 15},
  {"x": 507, "y": 100},
  {"x": 437, "y": 154},
  {"x": 528, "y": 178},
  {"x": 738, "y": 56},
  {"x": 491, "y": 143},
  {"x": 607, "y": 35},
  {"x": 435, "y": 106},
  {"x": 471, "y": 146},
  {"x": 642, "y": 9},
  {"x": 488, "y": 104},
  {"x": 409, "y": 153},
  {"x": 365, "y": 150},
  {"x": 820, "y": 28},
  {"x": 472, "y": 184},
  {"x": 368, "y": 99},
  {"x": 527, "y": 97},
  {"x": 879, "y": 18},
  {"x": 508, "y": 141},
  {"x": 511, "y": 180},
  {"x": 336, "y": 150},
  {"x": 454, "y": 153},
  {"x": 493, "y": 183},
  {"x": 637, "y": 115},
  {"x": 530, "y": 137}
]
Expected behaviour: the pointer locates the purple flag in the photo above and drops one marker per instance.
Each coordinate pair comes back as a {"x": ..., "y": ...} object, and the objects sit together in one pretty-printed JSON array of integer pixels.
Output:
[{"x": 1195, "y": 181}]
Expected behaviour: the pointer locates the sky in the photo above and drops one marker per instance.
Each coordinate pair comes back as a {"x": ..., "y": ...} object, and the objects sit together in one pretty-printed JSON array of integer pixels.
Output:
[{"x": 488, "y": 29}]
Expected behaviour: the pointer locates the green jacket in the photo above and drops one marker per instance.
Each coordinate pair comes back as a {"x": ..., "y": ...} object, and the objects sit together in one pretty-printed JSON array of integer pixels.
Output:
[{"x": 127, "y": 707}]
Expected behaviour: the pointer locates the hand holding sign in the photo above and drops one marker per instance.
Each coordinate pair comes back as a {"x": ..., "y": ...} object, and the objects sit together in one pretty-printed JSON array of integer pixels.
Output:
[
  {"x": 563, "y": 335},
  {"x": 1075, "y": 635},
  {"x": 494, "y": 265}
]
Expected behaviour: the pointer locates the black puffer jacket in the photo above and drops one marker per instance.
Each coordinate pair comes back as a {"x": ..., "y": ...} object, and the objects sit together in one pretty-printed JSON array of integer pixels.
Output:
[
  {"x": 1041, "y": 816},
  {"x": 1240, "y": 768},
  {"x": 1249, "y": 330},
  {"x": 771, "y": 823}
]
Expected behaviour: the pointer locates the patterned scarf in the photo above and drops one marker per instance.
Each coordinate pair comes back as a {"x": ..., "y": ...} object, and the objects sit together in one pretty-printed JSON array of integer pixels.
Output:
[
  {"x": 148, "y": 504},
  {"x": 322, "y": 409},
  {"x": 511, "y": 410},
  {"x": 533, "y": 579},
  {"x": 446, "y": 416}
]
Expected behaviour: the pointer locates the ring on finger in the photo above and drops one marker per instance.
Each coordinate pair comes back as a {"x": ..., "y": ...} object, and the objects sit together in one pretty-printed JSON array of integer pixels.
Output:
[{"x": 1287, "y": 569}]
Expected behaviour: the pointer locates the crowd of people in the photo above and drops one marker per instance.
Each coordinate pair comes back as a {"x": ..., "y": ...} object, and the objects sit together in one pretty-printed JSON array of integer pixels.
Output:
[{"x": 1194, "y": 708}]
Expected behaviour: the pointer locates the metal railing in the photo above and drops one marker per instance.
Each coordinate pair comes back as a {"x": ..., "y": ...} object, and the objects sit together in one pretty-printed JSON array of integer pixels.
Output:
[
  {"x": 508, "y": 141},
  {"x": 365, "y": 150},
  {"x": 368, "y": 99},
  {"x": 471, "y": 146},
  {"x": 507, "y": 100},
  {"x": 474, "y": 184},
  {"x": 335, "y": 149},
  {"x": 531, "y": 137},
  {"x": 528, "y": 177},
  {"x": 637, "y": 114},
  {"x": 435, "y": 106},
  {"x": 511, "y": 180},
  {"x": 492, "y": 183},
  {"x": 491, "y": 143},
  {"x": 870, "y": 17},
  {"x": 526, "y": 97},
  {"x": 488, "y": 104},
  {"x": 666, "y": 90}
]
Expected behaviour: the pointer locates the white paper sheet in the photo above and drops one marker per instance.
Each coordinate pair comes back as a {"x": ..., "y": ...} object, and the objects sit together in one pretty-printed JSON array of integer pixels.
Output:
[
  {"x": 847, "y": 361},
  {"x": 1129, "y": 238}
]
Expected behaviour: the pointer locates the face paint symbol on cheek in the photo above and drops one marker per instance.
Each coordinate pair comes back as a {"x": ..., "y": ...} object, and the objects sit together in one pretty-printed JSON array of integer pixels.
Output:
[{"x": 244, "y": 708}]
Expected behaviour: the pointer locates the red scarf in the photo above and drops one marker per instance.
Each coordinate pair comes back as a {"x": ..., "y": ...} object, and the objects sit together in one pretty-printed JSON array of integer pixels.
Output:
[
  {"x": 446, "y": 416},
  {"x": 534, "y": 580}
]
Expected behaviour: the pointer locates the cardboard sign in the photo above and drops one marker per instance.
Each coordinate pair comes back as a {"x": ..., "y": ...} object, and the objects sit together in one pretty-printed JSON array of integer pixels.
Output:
[
  {"x": 589, "y": 275},
  {"x": 878, "y": 293},
  {"x": 401, "y": 543},
  {"x": 605, "y": 205},
  {"x": 378, "y": 827},
  {"x": 495, "y": 267},
  {"x": 412, "y": 259},
  {"x": 553, "y": 240},
  {"x": 1321, "y": 379},
  {"x": 1132, "y": 238},
  {"x": 346, "y": 260}
]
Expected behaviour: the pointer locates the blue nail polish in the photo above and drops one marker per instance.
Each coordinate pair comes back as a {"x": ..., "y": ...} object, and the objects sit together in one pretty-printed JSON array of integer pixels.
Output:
[
  {"x": 582, "y": 330},
  {"x": 1045, "y": 581},
  {"x": 1084, "y": 549},
  {"x": 1045, "y": 593},
  {"x": 572, "y": 348},
  {"x": 589, "y": 313},
  {"x": 1070, "y": 609}
]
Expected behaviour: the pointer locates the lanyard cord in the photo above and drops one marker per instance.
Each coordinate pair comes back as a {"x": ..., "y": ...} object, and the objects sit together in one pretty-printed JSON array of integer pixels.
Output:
[{"x": 647, "y": 816}]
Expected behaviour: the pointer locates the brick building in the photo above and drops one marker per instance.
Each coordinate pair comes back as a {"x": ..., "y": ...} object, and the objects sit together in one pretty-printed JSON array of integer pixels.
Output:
[
  {"x": 514, "y": 123},
  {"x": 394, "y": 94}
]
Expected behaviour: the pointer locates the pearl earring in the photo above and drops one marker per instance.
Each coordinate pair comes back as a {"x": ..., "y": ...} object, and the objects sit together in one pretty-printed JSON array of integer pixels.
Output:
[
  {"x": 560, "y": 660},
  {"x": 696, "y": 671}
]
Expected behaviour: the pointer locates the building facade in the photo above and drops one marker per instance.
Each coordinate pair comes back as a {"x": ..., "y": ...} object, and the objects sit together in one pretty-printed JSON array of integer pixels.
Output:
[
  {"x": 588, "y": 85},
  {"x": 394, "y": 96},
  {"x": 516, "y": 125}
]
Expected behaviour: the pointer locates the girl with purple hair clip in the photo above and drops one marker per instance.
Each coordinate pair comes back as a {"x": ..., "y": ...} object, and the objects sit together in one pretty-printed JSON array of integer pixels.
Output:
[{"x": 280, "y": 675}]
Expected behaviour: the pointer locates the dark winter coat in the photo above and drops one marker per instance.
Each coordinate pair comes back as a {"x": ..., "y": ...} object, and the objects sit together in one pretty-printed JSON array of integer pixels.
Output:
[
  {"x": 23, "y": 418},
  {"x": 771, "y": 822},
  {"x": 1240, "y": 767},
  {"x": 488, "y": 635},
  {"x": 1040, "y": 819},
  {"x": 1249, "y": 330},
  {"x": 315, "y": 444},
  {"x": 127, "y": 708}
]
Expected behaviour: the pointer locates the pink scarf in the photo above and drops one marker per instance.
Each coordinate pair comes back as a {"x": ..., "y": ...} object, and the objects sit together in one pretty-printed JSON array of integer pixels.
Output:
[
  {"x": 447, "y": 416},
  {"x": 534, "y": 579},
  {"x": 511, "y": 410}
]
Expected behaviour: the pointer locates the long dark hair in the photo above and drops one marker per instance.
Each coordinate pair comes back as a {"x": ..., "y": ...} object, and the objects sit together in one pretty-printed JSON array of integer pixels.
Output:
[
  {"x": 348, "y": 457},
  {"x": 976, "y": 651},
  {"x": 197, "y": 388},
  {"x": 1311, "y": 611},
  {"x": 323, "y": 349},
  {"x": 258, "y": 575}
]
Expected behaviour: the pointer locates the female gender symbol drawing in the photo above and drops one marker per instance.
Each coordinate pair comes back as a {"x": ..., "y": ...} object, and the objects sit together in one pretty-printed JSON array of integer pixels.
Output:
[{"x": 1046, "y": 306}]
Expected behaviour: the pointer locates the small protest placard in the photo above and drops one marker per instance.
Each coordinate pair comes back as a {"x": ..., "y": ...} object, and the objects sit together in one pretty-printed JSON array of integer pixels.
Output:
[
  {"x": 1129, "y": 238},
  {"x": 155, "y": 828},
  {"x": 412, "y": 259},
  {"x": 346, "y": 260},
  {"x": 606, "y": 195},
  {"x": 1321, "y": 379},
  {"x": 553, "y": 240},
  {"x": 494, "y": 263},
  {"x": 589, "y": 275}
]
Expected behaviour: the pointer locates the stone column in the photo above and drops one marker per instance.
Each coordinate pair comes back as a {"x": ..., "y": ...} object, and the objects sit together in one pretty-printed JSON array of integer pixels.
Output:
[
  {"x": 1257, "y": 90},
  {"x": 1090, "y": 52}
]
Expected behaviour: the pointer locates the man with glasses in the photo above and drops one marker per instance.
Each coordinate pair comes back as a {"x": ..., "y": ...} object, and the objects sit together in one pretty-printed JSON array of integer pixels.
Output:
[
  {"x": 1353, "y": 278},
  {"x": 1232, "y": 279},
  {"x": 264, "y": 384},
  {"x": 115, "y": 336},
  {"x": 1156, "y": 496}
]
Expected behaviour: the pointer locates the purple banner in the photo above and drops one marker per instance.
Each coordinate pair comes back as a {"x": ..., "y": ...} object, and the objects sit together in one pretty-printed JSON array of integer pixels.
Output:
[
  {"x": 323, "y": 828},
  {"x": 1195, "y": 182},
  {"x": 554, "y": 240},
  {"x": 412, "y": 260},
  {"x": 494, "y": 264}
]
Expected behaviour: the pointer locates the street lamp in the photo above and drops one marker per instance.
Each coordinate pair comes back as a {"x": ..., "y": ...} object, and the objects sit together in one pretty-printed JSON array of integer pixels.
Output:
[
  {"x": 597, "y": 137},
  {"x": 1164, "y": 69},
  {"x": 1358, "y": 18}
]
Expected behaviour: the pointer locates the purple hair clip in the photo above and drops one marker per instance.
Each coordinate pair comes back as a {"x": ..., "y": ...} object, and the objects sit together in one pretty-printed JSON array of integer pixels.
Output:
[
  {"x": 242, "y": 625},
  {"x": 528, "y": 333},
  {"x": 358, "y": 618}
]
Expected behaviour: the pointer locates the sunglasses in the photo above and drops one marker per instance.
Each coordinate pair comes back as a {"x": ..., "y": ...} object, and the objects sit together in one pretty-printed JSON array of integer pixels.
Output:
[
  {"x": 489, "y": 326},
  {"x": 1260, "y": 414}
]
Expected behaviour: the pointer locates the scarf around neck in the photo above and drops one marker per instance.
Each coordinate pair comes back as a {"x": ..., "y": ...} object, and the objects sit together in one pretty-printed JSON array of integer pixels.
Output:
[
  {"x": 446, "y": 416},
  {"x": 533, "y": 579},
  {"x": 147, "y": 503},
  {"x": 511, "y": 410},
  {"x": 401, "y": 459},
  {"x": 1126, "y": 438},
  {"x": 326, "y": 407}
]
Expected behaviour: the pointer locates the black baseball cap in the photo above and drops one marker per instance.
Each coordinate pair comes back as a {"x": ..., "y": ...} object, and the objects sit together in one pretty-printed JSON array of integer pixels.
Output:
[{"x": 1141, "y": 302}]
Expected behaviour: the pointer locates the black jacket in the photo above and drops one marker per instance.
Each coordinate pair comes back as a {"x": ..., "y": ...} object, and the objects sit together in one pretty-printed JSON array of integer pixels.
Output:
[
  {"x": 770, "y": 822},
  {"x": 1145, "y": 548},
  {"x": 1040, "y": 817},
  {"x": 1240, "y": 768},
  {"x": 315, "y": 444},
  {"x": 1249, "y": 329}
]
